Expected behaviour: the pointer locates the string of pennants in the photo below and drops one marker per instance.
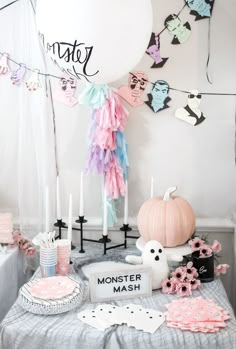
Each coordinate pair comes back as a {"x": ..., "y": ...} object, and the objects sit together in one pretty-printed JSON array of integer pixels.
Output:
[
  {"x": 157, "y": 100},
  {"x": 179, "y": 30}
]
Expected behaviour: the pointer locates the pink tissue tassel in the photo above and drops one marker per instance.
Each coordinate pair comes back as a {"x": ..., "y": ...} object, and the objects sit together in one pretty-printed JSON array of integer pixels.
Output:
[
  {"x": 112, "y": 115},
  {"x": 114, "y": 180}
]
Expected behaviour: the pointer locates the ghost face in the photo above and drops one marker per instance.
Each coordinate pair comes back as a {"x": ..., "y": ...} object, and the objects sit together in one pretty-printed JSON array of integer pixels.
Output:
[
  {"x": 194, "y": 99},
  {"x": 200, "y": 6},
  {"x": 160, "y": 93},
  {"x": 154, "y": 252},
  {"x": 68, "y": 85},
  {"x": 137, "y": 83}
]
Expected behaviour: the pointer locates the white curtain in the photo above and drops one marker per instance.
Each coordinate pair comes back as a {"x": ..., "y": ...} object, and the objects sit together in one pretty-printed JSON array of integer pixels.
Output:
[{"x": 27, "y": 140}]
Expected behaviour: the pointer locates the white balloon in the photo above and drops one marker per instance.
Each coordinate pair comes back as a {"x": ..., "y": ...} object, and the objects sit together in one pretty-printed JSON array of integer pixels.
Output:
[{"x": 100, "y": 40}]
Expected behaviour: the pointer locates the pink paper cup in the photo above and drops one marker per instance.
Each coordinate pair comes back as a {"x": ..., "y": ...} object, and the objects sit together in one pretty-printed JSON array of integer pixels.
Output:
[{"x": 63, "y": 256}]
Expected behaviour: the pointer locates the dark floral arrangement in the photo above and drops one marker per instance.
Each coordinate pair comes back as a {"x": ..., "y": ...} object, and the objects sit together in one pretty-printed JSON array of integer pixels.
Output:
[
  {"x": 182, "y": 282},
  {"x": 205, "y": 250},
  {"x": 184, "y": 279}
]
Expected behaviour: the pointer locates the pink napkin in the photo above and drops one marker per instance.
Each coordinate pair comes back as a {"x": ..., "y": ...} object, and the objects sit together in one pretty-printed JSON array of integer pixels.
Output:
[{"x": 196, "y": 314}]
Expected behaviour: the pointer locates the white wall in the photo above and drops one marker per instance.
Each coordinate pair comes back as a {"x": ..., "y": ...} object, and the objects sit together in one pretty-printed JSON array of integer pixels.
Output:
[{"x": 199, "y": 160}]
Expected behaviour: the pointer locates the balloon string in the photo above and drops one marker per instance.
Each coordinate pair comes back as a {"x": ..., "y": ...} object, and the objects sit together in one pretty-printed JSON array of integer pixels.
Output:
[
  {"x": 209, "y": 51},
  {"x": 32, "y": 6},
  {"x": 11, "y": 3},
  {"x": 54, "y": 127},
  {"x": 235, "y": 137}
]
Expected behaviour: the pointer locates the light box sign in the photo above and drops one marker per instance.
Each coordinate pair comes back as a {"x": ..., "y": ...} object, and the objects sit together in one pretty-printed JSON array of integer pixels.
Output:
[{"x": 135, "y": 281}]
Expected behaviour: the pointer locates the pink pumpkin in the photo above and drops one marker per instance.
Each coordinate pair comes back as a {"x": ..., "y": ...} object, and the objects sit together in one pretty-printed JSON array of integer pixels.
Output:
[{"x": 169, "y": 219}]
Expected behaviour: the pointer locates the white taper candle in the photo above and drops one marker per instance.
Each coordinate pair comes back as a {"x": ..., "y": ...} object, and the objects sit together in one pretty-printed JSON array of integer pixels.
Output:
[
  {"x": 152, "y": 187},
  {"x": 81, "y": 202},
  {"x": 104, "y": 212},
  {"x": 126, "y": 204},
  {"x": 69, "y": 232},
  {"x": 58, "y": 200},
  {"x": 47, "y": 224}
]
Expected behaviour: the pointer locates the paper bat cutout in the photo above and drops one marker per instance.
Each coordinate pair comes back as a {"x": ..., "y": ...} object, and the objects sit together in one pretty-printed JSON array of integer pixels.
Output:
[
  {"x": 191, "y": 112},
  {"x": 181, "y": 31},
  {"x": 158, "y": 98},
  {"x": 66, "y": 90},
  {"x": 153, "y": 50},
  {"x": 4, "y": 68},
  {"x": 136, "y": 85},
  {"x": 33, "y": 82},
  {"x": 200, "y": 8},
  {"x": 18, "y": 75}
]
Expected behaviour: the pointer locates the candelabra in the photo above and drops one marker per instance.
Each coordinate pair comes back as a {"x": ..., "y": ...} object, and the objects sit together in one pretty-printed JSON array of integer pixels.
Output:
[{"x": 104, "y": 240}]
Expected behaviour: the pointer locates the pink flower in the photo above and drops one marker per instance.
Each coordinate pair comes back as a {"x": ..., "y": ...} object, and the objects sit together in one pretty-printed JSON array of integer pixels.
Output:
[
  {"x": 195, "y": 284},
  {"x": 183, "y": 289},
  {"x": 179, "y": 274},
  {"x": 205, "y": 251},
  {"x": 30, "y": 251},
  {"x": 16, "y": 234},
  {"x": 24, "y": 244},
  {"x": 168, "y": 286},
  {"x": 196, "y": 244},
  {"x": 191, "y": 272},
  {"x": 216, "y": 246},
  {"x": 221, "y": 269}
]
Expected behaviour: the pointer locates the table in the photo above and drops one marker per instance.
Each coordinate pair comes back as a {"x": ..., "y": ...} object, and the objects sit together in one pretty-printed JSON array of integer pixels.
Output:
[
  {"x": 23, "y": 330},
  {"x": 12, "y": 277}
]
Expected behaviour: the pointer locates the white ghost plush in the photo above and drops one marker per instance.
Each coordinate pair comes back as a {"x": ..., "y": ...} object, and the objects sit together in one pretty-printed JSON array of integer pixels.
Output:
[{"x": 154, "y": 256}]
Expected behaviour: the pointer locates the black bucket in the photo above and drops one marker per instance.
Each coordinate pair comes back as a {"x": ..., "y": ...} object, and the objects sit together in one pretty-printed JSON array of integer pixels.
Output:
[{"x": 205, "y": 266}]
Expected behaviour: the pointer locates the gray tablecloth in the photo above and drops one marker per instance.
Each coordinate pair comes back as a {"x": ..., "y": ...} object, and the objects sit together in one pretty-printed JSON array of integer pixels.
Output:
[
  {"x": 22, "y": 330},
  {"x": 12, "y": 276}
]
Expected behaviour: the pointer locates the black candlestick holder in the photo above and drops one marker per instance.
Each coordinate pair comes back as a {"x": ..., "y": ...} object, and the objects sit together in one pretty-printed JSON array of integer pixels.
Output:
[
  {"x": 125, "y": 229},
  {"x": 81, "y": 221},
  {"x": 60, "y": 224}
]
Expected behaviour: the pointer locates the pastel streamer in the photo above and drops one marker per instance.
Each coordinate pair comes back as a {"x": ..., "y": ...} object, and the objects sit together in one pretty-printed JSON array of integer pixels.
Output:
[
  {"x": 114, "y": 179},
  {"x": 112, "y": 115},
  {"x": 121, "y": 152},
  {"x": 111, "y": 212},
  {"x": 18, "y": 75},
  {"x": 94, "y": 95},
  {"x": 107, "y": 146}
]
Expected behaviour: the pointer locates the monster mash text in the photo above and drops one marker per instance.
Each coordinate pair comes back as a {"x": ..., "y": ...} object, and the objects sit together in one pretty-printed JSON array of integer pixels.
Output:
[
  {"x": 76, "y": 53},
  {"x": 122, "y": 279},
  {"x": 124, "y": 283}
]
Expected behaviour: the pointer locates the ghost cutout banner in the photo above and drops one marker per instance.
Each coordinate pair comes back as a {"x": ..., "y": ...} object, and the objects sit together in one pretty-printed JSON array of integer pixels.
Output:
[
  {"x": 153, "y": 50},
  {"x": 18, "y": 75},
  {"x": 90, "y": 39},
  {"x": 33, "y": 82},
  {"x": 65, "y": 91},
  {"x": 200, "y": 8},
  {"x": 191, "y": 112},
  {"x": 181, "y": 31},
  {"x": 154, "y": 256},
  {"x": 158, "y": 97},
  {"x": 133, "y": 92},
  {"x": 4, "y": 68}
]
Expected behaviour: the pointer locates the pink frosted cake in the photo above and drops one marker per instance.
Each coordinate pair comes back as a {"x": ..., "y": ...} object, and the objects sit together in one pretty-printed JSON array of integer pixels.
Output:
[{"x": 6, "y": 228}]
